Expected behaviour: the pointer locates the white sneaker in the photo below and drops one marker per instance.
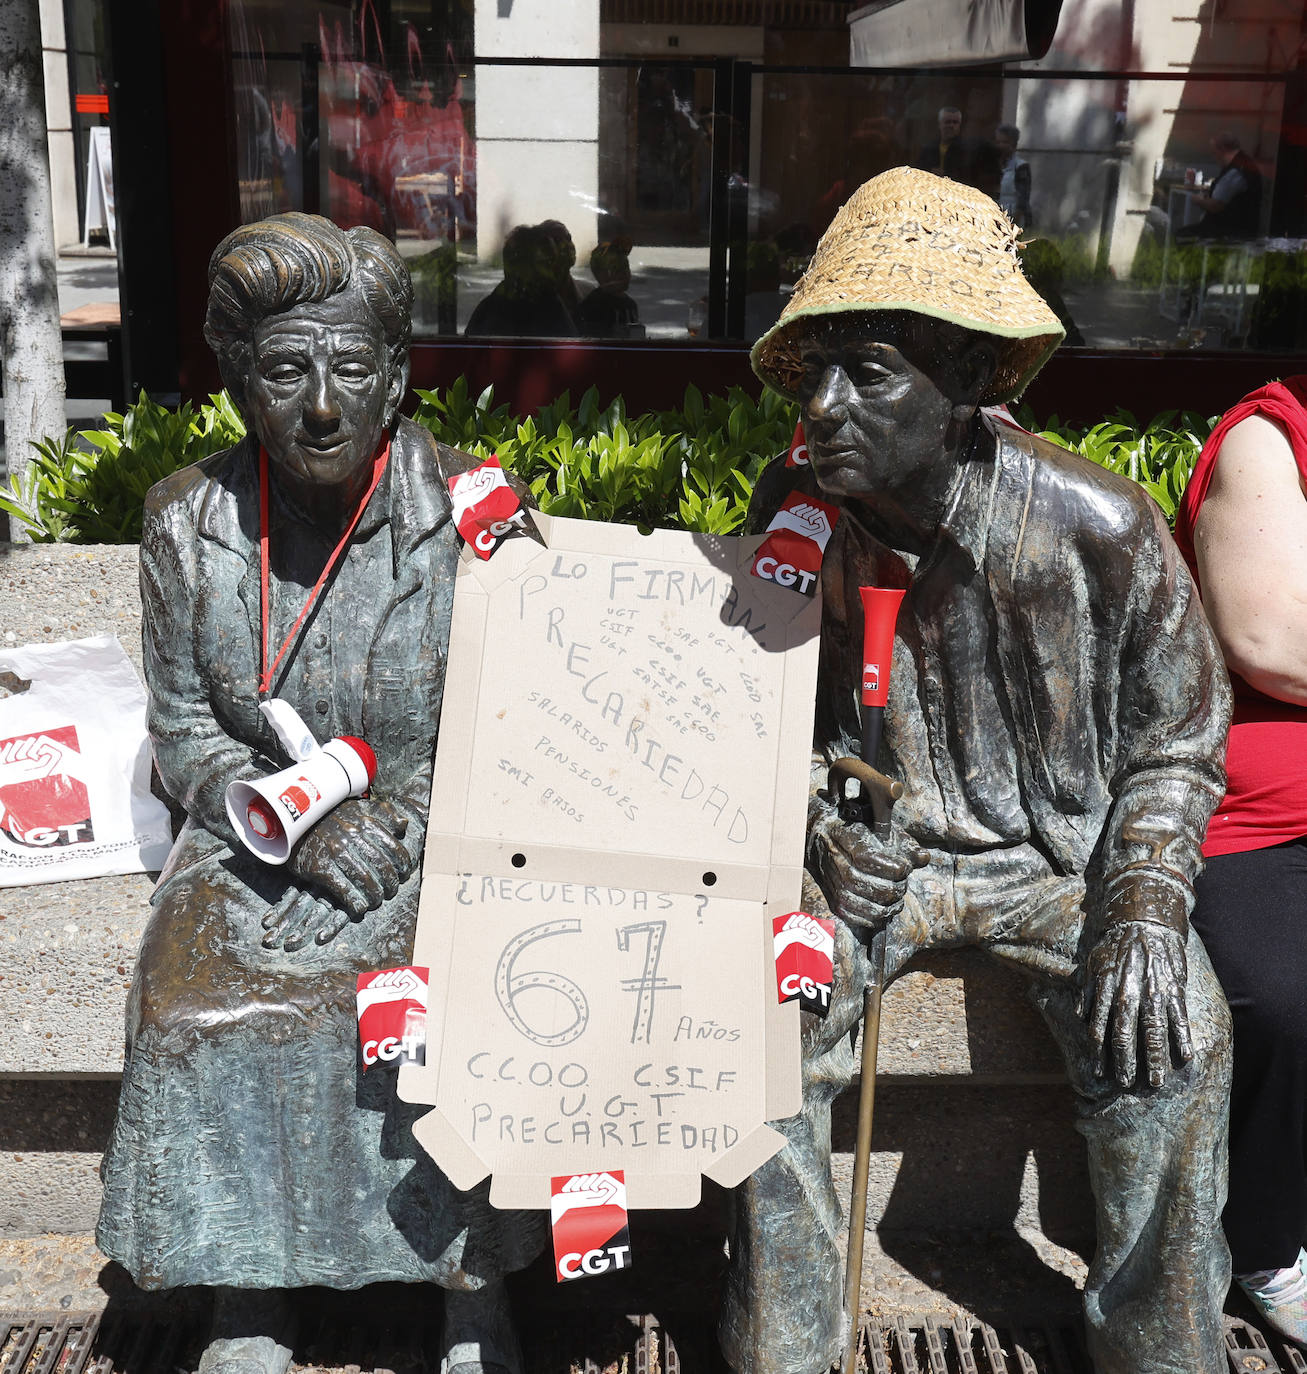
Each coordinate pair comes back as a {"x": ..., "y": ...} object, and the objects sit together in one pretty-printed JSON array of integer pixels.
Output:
[{"x": 1281, "y": 1297}]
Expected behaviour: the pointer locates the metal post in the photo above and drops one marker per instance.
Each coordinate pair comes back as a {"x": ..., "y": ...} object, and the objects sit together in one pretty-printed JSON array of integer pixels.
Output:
[
  {"x": 310, "y": 144},
  {"x": 719, "y": 204},
  {"x": 141, "y": 156},
  {"x": 737, "y": 278},
  {"x": 862, "y": 1147}
]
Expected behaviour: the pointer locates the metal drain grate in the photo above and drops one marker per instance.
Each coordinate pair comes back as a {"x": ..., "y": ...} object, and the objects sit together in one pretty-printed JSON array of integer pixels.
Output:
[
  {"x": 46, "y": 1342},
  {"x": 934, "y": 1345},
  {"x": 654, "y": 1353},
  {"x": 1249, "y": 1353},
  {"x": 136, "y": 1343},
  {"x": 123, "y": 1343}
]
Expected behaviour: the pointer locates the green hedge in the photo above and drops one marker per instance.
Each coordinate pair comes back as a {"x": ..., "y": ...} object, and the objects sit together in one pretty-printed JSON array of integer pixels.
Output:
[
  {"x": 89, "y": 487},
  {"x": 692, "y": 468},
  {"x": 1160, "y": 456}
]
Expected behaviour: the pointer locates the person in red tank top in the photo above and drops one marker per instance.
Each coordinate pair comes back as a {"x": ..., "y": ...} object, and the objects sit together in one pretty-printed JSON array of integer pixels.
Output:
[{"x": 1242, "y": 528}]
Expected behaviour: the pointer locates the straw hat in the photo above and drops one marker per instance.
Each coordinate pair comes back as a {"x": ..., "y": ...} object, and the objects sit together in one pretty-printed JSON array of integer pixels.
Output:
[{"x": 909, "y": 240}]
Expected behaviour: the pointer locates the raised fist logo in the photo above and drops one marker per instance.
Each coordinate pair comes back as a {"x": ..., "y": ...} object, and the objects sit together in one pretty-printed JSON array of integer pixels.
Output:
[
  {"x": 810, "y": 520},
  {"x": 470, "y": 489},
  {"x": 43, "y": 796},
  {"x": 406, "y": 984},
  {"x": 36, "y": 756},
  {"x": 589, "y": 1190},
  {"x": 481, "y": 481},
  {"x": 802, "y": 929},
  {"x": 805, "y": 954},
  {"x": 808, "y": 517}
]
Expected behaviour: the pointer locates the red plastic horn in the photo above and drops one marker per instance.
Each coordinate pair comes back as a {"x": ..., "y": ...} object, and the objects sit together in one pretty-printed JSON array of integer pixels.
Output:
[{"x": 880, "y": 610}]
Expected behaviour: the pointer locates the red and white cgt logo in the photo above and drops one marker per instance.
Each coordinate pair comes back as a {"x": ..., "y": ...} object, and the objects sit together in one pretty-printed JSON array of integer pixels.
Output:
[
  {"x": 299, "y": 796},
  {"x": 588, "y": 1216},
  {"x": 486, "y": 508},
  {"x": 392, "y": 1012},
  {"x": 796, "y": 543},
  {"x": 797, "y": 457},
  {"x": 44, "y": 802},
  {"x": 804, "y": 949}
]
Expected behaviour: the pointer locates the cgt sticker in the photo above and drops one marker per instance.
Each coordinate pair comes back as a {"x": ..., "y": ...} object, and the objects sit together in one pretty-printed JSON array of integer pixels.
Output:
[
  {"x": 392, "y": 1012},
  {"x": 805, "y": 960},
  {"x": 588, "y": 1216},
  {"x": 796, "y": 542},
  {"x": 797, "y": 457},
  {"x": 44, "y": 802},
  {"x": 486, "y": 508}
]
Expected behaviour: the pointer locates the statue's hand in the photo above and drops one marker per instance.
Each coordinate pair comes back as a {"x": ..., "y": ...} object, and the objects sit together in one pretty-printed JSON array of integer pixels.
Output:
[
  {"x": 863, "y": 875},
  {"x": 301, "y": 916},
  {"x": 1136, "y": 980},
  {"x": 355, "y": 856}
]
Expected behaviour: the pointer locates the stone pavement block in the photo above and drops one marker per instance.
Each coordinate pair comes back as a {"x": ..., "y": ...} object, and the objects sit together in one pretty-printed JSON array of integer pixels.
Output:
[
  {"x": 947, "y": 1158},
  {"x": 964, "y": 1014},
  {"x": 53, "y": 592},
  {"x": 52, "y": 1135},
  {"x": 951, "y": 1157},
  {"x": 66, "y": 956},
  {"x": 67, "y": 951},
  {"x": 50, "y": 1273}
]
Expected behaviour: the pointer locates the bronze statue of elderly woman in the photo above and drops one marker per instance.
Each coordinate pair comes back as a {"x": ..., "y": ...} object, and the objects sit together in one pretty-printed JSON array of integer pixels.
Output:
[{"x": 250, "y": 1154}]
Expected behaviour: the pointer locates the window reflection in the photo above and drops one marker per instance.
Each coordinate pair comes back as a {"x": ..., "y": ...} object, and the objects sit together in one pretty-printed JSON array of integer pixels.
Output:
[
  {"x": 386, "y": 141},
  {"x": 1154, "y": 214},
  {"x": 539, "y": 200}
]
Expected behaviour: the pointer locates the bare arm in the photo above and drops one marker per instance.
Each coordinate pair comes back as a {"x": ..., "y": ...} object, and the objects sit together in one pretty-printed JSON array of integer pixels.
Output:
[{"x": 1251, "y": 543}]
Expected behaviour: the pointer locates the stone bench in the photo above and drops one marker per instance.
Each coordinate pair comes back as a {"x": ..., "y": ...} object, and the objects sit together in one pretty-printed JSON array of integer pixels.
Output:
[{"x": 973, "y": 1117}]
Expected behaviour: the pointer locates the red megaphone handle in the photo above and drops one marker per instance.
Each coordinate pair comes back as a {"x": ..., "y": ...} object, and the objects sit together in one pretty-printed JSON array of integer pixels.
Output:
[{"x": 880, "y": 610}]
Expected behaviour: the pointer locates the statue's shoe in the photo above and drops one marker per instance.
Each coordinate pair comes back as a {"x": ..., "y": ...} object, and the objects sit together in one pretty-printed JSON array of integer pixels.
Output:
[
  {"x": 479, "y": 1337},
  {"x": 245, "y": 1355},
  {"x": 252, "y": 1332},
  {"x": 1281, "y": 1297}
]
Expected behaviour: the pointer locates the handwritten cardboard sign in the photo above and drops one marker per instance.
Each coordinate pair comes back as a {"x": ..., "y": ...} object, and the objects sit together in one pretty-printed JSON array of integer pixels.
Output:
[{"x": 617, "y": 815}]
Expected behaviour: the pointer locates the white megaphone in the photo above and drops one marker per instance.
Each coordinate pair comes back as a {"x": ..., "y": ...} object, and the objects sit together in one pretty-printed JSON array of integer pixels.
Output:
[{"x": 270, "y": 814}]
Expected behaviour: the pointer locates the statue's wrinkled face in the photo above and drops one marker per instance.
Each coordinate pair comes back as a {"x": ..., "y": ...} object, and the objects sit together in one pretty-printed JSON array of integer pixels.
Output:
[
  {"x": 874, "y": 420},
  {"x": 320, "y": 391}
]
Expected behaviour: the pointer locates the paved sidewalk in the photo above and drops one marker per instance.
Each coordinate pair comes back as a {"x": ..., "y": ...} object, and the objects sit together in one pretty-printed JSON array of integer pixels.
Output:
[
  {"x": 676, "y": 1257},
  {"x": 87, "y": 276}
]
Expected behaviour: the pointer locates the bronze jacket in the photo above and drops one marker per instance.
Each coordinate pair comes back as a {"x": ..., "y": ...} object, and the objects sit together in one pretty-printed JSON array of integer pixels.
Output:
[
  {"x": 201, "y": 627},
  {"x": 1114, "y": 697}
]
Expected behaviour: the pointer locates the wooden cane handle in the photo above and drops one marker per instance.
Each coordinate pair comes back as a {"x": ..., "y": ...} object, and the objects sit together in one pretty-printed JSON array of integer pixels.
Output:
[{"x": 878, "y": 791}]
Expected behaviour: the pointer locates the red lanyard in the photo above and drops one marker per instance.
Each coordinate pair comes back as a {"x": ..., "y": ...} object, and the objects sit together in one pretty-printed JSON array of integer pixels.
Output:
[{"x": 379, "y": 461}]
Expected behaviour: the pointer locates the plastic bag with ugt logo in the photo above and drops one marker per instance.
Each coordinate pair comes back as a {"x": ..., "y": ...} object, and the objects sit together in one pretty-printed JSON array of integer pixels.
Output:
[{"x": 75, "y": 796}]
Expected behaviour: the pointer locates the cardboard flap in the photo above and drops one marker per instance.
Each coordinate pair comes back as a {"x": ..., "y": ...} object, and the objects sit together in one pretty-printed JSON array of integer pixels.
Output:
[
  {"x": 461, "y": 1164},
  {"x": 752, "y": 1152},
  {"x": 675, "y": 1192}
]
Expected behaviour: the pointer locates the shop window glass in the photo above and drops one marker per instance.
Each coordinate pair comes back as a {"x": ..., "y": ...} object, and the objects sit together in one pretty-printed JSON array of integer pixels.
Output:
[{"x": 636, "y": 197}]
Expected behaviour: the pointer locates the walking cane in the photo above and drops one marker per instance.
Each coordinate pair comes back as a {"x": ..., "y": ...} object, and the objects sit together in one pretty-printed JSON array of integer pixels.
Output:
[{"x": 880, "y": 607}]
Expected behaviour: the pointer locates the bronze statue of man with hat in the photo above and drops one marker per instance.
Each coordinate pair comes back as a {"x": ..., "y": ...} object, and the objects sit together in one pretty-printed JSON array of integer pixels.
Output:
[{"x": 1057, "y": 715}]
